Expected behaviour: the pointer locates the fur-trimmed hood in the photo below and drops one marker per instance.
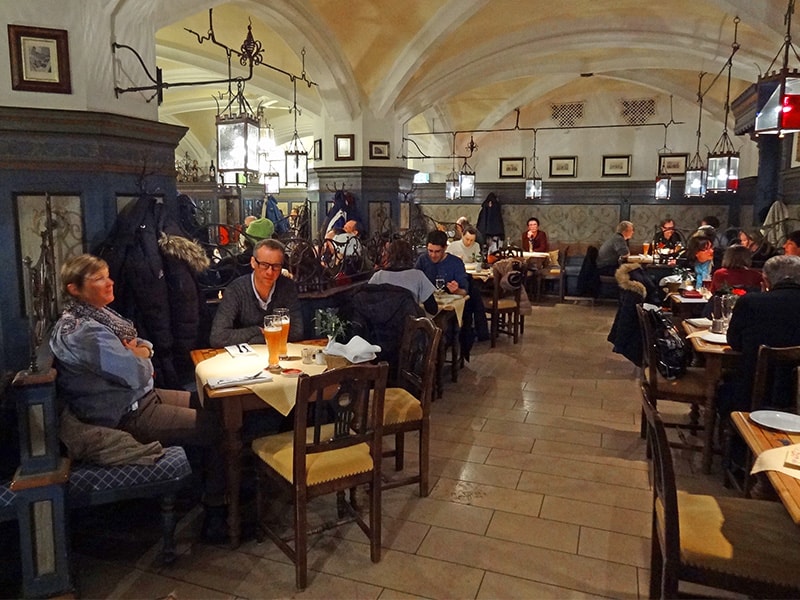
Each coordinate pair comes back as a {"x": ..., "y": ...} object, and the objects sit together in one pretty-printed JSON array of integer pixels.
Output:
[
  {"x": 623, "y": 277},
  {"x": 185, "y": 250}
]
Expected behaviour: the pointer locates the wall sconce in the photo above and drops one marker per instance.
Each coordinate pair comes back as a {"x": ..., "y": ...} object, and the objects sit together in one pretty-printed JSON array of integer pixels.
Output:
[{"x": 778, "y": 110}]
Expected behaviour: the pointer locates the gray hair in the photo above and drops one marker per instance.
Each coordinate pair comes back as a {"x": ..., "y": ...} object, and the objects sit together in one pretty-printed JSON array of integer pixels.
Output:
[
  {"x": 269, "y": 244},
  {"x": 782, "y": 268},
  {"x": 624, "y": 226}
]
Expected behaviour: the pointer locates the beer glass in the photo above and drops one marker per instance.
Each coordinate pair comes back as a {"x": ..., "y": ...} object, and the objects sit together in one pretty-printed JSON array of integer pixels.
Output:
[
  {"x": 283, "y": 313},
  {"x": 272, "y": 337}
]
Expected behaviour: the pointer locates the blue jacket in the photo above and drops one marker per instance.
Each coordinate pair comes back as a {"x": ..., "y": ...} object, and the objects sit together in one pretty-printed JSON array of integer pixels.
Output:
[{"x": 450, "y": 268}]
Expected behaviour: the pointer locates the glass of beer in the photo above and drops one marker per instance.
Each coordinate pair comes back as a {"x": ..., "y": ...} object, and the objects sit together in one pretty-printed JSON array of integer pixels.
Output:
[
  {"x": 283, "y": 313},
  {"x": 272, "y": 336},
  {"x": 646, "y": 248}
]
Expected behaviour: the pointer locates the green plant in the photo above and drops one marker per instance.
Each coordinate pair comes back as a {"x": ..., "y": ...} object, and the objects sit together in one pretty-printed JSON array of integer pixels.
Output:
[{"x": 328, "y": 322}]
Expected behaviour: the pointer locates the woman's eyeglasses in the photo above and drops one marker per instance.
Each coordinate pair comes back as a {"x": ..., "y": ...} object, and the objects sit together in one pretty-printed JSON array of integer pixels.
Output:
[{"x": 265, "y": 266}]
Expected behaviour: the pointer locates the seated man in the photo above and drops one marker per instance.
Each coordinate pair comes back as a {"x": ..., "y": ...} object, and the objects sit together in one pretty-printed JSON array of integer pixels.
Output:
[
  {"x": 668, "y": 238},
  {"x": 770, "y": 318},
  {"x": 614, "y": 248},
  {"x": 249, "y": 298},
  {"x": 792, "y": 244},
  {"x": 466, "y": 249}
]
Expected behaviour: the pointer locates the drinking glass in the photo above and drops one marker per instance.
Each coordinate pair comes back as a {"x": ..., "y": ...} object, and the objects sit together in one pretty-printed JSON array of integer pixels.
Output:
[
  {"x": 440, "y": 284},
  {"x": 272, "y": 336},
  {"x": 646, "y": 248},
  {"x": 283, "y": 313}
]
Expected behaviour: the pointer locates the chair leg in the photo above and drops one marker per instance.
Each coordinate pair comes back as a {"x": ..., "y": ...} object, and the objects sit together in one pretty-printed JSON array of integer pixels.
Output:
[
  {"x": 300, "y": 543},
  {"x": 521, "y": 325},
  {"x": 399, "y": 450},
  {"x": 424, "y": 441},
  {"x": 656, "y": 565},
  {"x": 495, "y": 326},
  {"x": 168, "y": 554},
  {"x": 260, "y": 502},
  {"x": 375, "y": 521}
]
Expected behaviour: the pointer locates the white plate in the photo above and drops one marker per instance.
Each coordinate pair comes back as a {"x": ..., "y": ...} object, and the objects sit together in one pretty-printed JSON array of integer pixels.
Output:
[
  {"x": 714, "y": 338},
  {"x": 775, "y": 419}
]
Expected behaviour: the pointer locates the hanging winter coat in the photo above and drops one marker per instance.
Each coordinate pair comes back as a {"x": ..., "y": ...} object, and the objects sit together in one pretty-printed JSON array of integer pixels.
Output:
[
  {"x": 344, "y": 209},
  {"x": 269, "y": 208},
  {"x": 490, "y": 218},
  {"x": 154, "y": 269}
]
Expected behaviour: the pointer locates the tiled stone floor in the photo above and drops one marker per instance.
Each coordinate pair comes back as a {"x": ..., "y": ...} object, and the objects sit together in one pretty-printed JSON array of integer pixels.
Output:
[{"x": 541, "y": 490}]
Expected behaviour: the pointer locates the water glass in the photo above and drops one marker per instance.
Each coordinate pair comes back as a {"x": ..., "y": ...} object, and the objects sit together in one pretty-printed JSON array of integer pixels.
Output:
[
  {"x": 440, "y": 284},
  {"x": 283, "y": 313}
]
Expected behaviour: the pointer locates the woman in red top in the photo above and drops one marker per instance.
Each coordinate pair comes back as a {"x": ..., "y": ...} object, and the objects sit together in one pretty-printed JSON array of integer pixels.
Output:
[
  {"x": 534, "y": 239},
  {"x": 736, "y": 271}
]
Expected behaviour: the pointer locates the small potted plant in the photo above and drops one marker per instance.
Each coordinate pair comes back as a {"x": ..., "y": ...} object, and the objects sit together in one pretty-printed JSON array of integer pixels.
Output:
[{"x": 328, "y": 322}]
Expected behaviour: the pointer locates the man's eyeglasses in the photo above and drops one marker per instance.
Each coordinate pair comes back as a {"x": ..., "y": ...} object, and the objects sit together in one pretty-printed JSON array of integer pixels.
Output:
[{"x": 265, "y": 266}]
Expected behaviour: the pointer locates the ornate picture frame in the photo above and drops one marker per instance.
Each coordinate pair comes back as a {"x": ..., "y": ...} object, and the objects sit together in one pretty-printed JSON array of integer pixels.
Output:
[
  {"x": 617, "y": 166},
  {"x": 512, "y": 167},
  {"x": 39, "y": 59},
  {"x": 563, "y": 166},
  {"x": 379, "y": 150},
  {"x": 344, "y": 147},
  {"x": 317, "y": 150}
]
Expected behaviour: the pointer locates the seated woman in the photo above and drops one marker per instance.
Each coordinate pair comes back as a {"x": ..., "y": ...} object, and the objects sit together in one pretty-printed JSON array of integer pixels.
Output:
[
  {"x": 758, "y": 245},
  {"x": 533, "y": 238},
  {"x": 466, "y": 249},
  {"x": 106, "y": 377},
  {"x": 400, "y": 271},
  {"x": 736, "y": 271},
  {"x": 700, "y": 257}
]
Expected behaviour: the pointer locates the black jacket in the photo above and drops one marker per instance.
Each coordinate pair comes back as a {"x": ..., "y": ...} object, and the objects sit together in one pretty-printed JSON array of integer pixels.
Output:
[
  {"x": 490, "y": 218},
  {"x": 635, "y": 287}
]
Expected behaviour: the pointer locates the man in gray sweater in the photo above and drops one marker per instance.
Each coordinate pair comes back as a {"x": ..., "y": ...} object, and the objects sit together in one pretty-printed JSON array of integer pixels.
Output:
[{"x": 249, "y": 298}]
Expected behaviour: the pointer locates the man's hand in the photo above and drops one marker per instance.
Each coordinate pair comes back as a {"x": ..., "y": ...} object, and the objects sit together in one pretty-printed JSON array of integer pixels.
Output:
[
  {"x": 139, "y": 350},
  {"x": 452, "y": 287}
]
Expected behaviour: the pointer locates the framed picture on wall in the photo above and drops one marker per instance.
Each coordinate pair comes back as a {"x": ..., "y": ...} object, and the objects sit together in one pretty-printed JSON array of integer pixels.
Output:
[
  {"x": 616, "y": 166},
  {"x": 563, "y": 166},
  {"x": 379, "y": 150},
  {"x": 39, "y": 59},
  {"x": 344, "y": 147},
  {"x": 672, "y": 164},
  {"x": 512, "y": 167},
  {"x": 317, "y": 154}
]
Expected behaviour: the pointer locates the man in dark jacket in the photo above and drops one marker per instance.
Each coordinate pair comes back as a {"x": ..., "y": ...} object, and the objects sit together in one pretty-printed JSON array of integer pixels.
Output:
[
  {"x": 770, "y": 318},
  {"x": 248, "y": 299}
]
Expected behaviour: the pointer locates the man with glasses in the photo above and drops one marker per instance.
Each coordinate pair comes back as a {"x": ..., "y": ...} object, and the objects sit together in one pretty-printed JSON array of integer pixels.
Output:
[{"x": 249, "y": 298}]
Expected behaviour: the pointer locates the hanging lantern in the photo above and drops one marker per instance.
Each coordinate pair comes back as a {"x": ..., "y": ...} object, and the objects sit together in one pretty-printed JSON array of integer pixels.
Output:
[{"x": 663, "y": 187}]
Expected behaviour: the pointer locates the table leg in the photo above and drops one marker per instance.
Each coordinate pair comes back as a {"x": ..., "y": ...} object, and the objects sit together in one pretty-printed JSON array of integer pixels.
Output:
[
  {"x": 713, "y": 375},
  {"x": 232, "y": 448}
]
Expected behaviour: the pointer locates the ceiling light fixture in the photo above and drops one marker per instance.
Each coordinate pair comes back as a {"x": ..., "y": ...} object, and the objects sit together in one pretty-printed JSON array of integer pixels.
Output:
[
  {"x": 778, "y": 110},
  {"x": 296, "y": 154},
  {"x": 723, "y": 160},
  {"x": 533, "y": 184},
  {"x": 466, "y": 176},
  {"x": 695, "y": 184},
  {"x": 237, "y": 139}
]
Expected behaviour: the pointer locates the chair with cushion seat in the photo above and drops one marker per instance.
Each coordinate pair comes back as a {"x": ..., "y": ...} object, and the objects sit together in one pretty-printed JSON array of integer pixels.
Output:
[
  {"x": 330, "y": 455},
  {"x": 775, "y": 386},
  {"x": 503, "y": 306},
  {"x": 552, "y": 271},
  {"x": 744, "y": 546},
  {"x": 407, "y": 407},
  {"x": 689, "y": 388}
]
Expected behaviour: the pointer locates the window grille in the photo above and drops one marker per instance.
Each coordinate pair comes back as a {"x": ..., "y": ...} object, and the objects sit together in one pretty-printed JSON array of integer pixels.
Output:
[
  {"x": 567, "y": 114},
  {"x": 638, "y": 111}
]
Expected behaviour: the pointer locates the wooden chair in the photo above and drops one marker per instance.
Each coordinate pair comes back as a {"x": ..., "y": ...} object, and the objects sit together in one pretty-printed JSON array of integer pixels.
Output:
[
  {"x": 774, "y": 379},
  {"x": 554, "y": 271},
  {"x": 503, "y": 310},
  {"x": 407, "y": 407},
  {"x": 327, "y": 456},
  {"x": 689, "y": 388},
  {"x": 744, "y": 546}
]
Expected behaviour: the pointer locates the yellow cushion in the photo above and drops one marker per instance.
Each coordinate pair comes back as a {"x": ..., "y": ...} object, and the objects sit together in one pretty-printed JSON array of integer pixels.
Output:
[
  {"x": 400, "y": 406},
  {"x": 278, "y": 452},
  {"x": 506, "y": 304},
  {"x": 751, "y": 538},
  {"x": 553, "y": 257}
]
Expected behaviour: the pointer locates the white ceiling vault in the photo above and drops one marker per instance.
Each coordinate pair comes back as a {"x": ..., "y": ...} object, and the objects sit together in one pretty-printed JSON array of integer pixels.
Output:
[{"x": 459, "y": 64}]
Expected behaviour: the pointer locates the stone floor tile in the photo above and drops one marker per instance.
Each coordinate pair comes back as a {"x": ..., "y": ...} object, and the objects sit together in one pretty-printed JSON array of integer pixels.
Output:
[
  {"x": 488, "y": 496},
  {"x": 599, "y": 516},
  {"x": 559, "y": 487},
  {"x": 617, "y": 547},
  {"x": 535, "y": 531}
]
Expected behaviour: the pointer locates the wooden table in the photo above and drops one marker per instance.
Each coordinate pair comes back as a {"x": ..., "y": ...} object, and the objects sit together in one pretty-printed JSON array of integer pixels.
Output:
[
  {"x": 685, "y": 308},
  {"x": 716, "y": 357},
  {"x": 759, "y": 439},
  {"x": 450, "y": 314},
  {"x": 233, "y": 402}
]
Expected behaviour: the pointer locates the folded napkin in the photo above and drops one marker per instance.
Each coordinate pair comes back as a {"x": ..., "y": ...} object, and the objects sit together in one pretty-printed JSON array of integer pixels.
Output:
[
  {"x": 221, "y": 382},
  {"x": 357, "y": 350},
  {"x": 240, "y": 350},
  {"x": 775, "y": 459},
  {"x": 699, "y": 322}
]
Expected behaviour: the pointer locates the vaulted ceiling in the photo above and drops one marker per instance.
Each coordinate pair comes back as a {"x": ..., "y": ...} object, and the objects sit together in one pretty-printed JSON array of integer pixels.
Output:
[{"x": 459, "y": 64}]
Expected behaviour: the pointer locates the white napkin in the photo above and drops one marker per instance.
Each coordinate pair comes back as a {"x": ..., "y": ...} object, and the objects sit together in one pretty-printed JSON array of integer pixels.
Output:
[
  {"x": 357, "y": 350},
  {"x": 221, "y": 382},
  {"x": 774, "y": 459},
  {"x": 240, "y": 350}
]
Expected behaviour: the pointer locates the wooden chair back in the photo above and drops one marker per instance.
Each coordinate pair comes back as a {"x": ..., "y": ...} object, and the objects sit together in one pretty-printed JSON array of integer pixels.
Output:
[
  {"x": 417, "y": 364},
  {"x": 649, "y": 355},
  {"x": 774, "y": 382}
]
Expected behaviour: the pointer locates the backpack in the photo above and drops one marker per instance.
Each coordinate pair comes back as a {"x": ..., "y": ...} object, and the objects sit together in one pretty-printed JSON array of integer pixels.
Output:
[{"x": 671, "y": 349}]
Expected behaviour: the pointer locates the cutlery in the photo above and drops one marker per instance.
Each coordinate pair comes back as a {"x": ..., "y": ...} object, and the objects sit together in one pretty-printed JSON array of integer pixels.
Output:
[{"x": 242, "y": 348}]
